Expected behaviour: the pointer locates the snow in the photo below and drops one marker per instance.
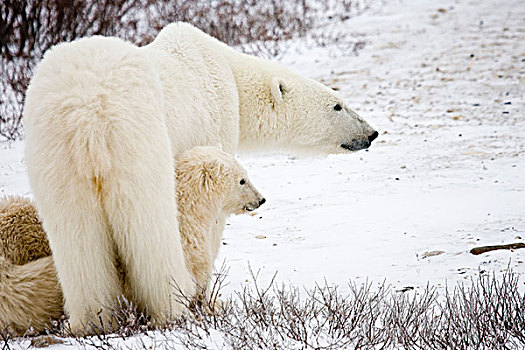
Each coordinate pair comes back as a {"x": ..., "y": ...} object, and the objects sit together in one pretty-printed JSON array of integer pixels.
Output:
[
  {"x": 445, "y": 86},
  {"x": 446, "y": 173}
]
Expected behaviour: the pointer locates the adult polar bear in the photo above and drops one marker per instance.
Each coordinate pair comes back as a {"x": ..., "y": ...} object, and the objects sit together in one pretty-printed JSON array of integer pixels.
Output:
[{"x": 103, "y": 122}]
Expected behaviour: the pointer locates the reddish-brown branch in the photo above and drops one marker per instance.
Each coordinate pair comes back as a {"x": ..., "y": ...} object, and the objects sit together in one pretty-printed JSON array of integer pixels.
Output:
[{"x": 488, "y": 248}]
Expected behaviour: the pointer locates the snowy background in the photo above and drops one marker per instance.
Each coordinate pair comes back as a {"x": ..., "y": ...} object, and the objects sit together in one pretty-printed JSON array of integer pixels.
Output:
[{"x": 445, "y": 86}]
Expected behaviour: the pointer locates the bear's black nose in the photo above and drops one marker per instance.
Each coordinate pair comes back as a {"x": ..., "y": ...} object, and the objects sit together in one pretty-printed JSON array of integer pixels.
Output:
[
  {"x": 373, "y": 136},
  {"x": 262, "y": 201}
]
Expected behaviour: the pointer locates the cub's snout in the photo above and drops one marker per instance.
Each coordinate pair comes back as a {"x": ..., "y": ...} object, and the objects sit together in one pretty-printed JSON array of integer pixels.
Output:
[{"x": 254, "y": 205}]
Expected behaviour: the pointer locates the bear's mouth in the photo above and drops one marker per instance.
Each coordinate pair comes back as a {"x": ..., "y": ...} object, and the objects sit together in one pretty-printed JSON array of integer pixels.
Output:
[
  {"x": 253, "y": 205},
  {"x": 248, "y": 207},
  {"x": 356, "y": 145}
]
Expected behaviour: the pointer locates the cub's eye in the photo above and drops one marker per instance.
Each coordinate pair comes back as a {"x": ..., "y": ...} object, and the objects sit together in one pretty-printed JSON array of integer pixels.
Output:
[
  {"x": 242, "y": 182},
  {"x": 338, "y": 107}
]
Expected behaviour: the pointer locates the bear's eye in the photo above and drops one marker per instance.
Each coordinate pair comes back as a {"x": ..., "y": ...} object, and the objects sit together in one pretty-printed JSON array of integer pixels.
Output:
[
  {"x": 338, "y": 107},
  {"x": 242, "y": 182}
]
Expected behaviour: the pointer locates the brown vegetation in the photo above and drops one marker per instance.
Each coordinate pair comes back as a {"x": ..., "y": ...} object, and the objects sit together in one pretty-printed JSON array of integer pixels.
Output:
[{"x": 487, "y": 313}]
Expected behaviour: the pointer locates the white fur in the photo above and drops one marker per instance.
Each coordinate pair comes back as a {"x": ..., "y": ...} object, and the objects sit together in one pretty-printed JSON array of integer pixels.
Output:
[
  {"x": 99, "y": 159},
  {"x": 104, "y": 120},
  {"x": 211, "y": 184},
  {"x": 208, "y": 186}
]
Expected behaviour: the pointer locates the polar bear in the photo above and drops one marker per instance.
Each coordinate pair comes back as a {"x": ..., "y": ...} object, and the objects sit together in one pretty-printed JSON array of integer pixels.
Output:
[
  {"x": 210, "y": 183},
  {"x": 22, "y": 237},
  {"x": 220, "y": 187},
  {"x": 31, "y": 295},
  {"x": 104, "y": 120}
]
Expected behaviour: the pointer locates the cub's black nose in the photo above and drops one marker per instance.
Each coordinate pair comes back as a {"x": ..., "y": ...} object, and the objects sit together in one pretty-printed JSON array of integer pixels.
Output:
[
  {"x": 262, "y": 201},
  {"x": 373, "y": 136}
]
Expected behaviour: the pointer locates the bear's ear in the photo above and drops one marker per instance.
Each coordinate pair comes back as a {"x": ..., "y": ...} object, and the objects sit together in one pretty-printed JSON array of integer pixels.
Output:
[
  {"x": 211, "y": 170},
  {"x": 278, "y": 87}
]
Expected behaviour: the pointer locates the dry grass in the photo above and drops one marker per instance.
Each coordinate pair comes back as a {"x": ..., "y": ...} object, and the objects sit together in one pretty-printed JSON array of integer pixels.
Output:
[{"x": 487, "y": 313}]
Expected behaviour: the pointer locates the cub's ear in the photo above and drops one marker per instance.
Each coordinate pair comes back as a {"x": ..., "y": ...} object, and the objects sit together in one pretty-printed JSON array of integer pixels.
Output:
[
  {"x": 211, "y": 170},
  {"x": 278, "y": 88}
]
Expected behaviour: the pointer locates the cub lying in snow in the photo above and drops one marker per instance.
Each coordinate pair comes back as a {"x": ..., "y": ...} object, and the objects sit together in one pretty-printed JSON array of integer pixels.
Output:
[{"x": 210, "y": 183}]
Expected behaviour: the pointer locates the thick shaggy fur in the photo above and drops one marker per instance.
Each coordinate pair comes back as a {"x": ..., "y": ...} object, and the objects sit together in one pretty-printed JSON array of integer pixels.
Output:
[
  {"x": 208, "y": 186},
  {"x": 30, "y": 295},
  {"x": 101, "y": 168},
  {"x": 211, "y": 184},
  {"x": 103, "y": 122},
  {"x": 22, "y": 237}
]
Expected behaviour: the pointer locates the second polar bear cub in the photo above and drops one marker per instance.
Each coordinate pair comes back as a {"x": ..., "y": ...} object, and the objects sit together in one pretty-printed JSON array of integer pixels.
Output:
[{"x": 210, "y": 184}]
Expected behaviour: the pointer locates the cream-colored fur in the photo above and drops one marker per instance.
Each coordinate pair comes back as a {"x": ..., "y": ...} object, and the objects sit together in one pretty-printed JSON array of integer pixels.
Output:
[
  {"x": 211, "y": 184},
  {"x": 30, "y": 295},
  {"x": 208, "y": 186},
  {"x": 22, "y": 237},
  {"x": 101, "y": 168},
  {"x": 246, "y": 102},
  {"x": 103, "y": 121}
]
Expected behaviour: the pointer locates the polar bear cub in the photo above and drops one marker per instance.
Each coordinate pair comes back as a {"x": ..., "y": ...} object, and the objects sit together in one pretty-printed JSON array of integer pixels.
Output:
[
  {"x": 30, "y": 295},
  {"x": 210, "y": 183},
  {"x": 22, "y": 237}
]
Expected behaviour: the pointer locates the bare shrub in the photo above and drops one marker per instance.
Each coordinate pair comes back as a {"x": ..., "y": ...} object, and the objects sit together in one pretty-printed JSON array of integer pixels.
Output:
[
  {"x": 29, "y": 28},
  {"x": 14, "y": 81},
  {"x": 257, "y": 27},
  {"x": 487, "y": 313}
]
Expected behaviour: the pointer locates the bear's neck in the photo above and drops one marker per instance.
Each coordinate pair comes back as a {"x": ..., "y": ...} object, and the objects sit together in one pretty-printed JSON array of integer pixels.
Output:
[
  {"x": 260, "y": 126},
  {"x": 196, "y": 216}
]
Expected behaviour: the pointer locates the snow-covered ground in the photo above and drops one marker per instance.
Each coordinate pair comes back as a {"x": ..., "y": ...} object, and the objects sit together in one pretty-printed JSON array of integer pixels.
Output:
[{"x": 445, "y": 86}]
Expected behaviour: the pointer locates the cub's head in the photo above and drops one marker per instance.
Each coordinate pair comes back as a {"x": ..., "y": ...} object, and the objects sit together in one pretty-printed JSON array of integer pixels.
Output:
[{"x": 212, "y": 177}]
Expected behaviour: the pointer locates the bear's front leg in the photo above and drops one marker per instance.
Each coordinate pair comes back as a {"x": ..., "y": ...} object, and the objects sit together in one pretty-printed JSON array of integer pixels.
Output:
[
  {"x": 139, "y": 200},
  {"x": 214, "y": 246}
]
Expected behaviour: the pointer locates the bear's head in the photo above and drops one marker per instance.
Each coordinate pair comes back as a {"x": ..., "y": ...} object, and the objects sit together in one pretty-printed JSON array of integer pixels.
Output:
[
  {"x": 216, "y": 180},
  {"x": 317, "y": 118},
  {"x": 284, "y": 110}
]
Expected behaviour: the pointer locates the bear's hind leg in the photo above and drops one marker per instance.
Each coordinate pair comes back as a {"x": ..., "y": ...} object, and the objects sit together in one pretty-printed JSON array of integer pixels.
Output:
[{"x": 83, "y": 251}]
